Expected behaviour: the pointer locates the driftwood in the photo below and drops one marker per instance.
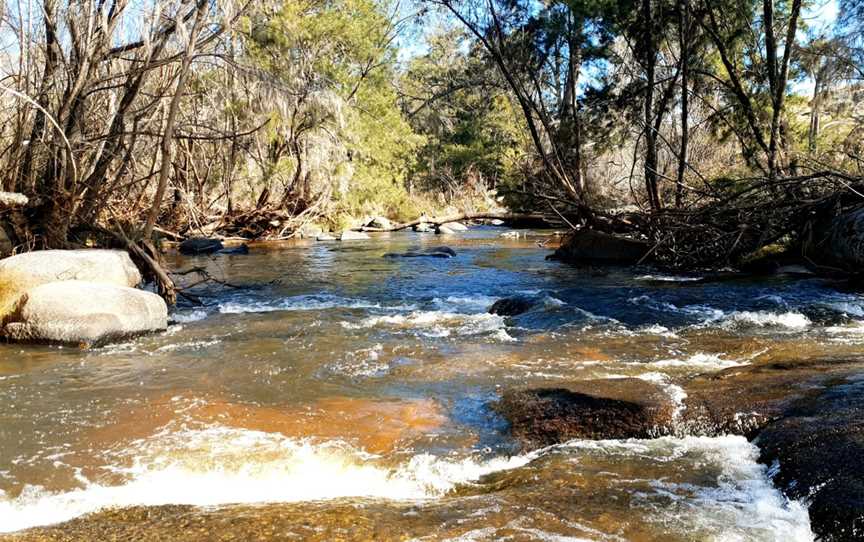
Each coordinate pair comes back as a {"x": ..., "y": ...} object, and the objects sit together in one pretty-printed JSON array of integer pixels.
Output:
[{"x": 437, "y": 221}]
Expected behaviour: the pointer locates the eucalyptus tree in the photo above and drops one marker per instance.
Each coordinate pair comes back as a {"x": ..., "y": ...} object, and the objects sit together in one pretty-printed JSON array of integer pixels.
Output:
[{"x": 543, "y": 52}]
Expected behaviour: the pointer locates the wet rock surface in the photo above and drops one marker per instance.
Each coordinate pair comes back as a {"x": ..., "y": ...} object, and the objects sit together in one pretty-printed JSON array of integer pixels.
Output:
[
  {"x": 591, "y": 409},
  {"x": 200, "y": 245},
  {"x": 744, "y": 400},
  {"x": 806, "y": 416},
  {"x": 818, "y": 448},
  {"x": 512, "y": 306},
  {"x": 591, "y": 247}
]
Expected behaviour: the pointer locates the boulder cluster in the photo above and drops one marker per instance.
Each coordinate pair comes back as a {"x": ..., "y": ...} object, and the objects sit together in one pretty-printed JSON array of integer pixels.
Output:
[{"x": 75, "y": 297}]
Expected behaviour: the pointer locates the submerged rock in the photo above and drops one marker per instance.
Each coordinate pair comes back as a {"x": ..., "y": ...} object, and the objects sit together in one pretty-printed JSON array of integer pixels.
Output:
[
  {"x": 84, "y": 313},
  {"x": 349, "y": 235},
  {"x": 591, "y": 409},
  {"x": 434, "y": 252},
  {"x": 22, "y": 272},
  {"x": 200, "y": 245},
  {"x": 512, "y": 306},
  {"x": 240, "y": 249},
  {"x": 592, "y": 247}
]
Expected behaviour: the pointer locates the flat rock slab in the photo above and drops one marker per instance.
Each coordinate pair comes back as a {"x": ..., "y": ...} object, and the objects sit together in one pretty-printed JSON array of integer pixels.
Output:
[
  {"x": 744, "y": 400},
  {"x": 84, "y": 314},
  {"x": 22, "y": 272},
  {"x": 592, "y": 409},
  {"x": 819, "y": 449}
]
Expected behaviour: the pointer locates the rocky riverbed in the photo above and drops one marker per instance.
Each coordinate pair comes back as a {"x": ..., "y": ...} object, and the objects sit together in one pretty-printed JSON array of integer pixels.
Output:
[{"x": 342, "y": 394}]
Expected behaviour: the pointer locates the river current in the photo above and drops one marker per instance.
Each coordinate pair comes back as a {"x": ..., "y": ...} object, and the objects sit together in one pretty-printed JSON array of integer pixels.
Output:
[{"x": 338, "y": 394}]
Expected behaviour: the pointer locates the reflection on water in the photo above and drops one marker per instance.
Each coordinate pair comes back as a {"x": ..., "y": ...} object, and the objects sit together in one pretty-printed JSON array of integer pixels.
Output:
[{"x": 344, "y": 389}]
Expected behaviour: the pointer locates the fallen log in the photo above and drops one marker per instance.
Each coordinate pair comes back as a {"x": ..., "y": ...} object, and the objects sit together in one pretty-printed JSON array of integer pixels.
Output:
[{"x": 437, "y": 221}]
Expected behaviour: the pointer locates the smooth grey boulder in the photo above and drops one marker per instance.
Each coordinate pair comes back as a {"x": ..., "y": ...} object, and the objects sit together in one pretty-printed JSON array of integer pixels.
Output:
[
  {"x": 22, "y": 272},
  {"x": 75, "y": 312},
  {"x": 349, "y": 235},
  {"x": 444, "y": 230},
  {"x": 423, "y": 228},
  {"x": 325, "y": 237},
  {"x": 456, "y": 226}
]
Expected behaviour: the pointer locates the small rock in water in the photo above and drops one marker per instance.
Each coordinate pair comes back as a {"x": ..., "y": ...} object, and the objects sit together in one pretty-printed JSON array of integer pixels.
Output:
[
  {"x": 511, "y": 306},
  {"x": 456, "y": 226},
  {"x": 423, "y": 228},
  {"x": 349, "y": 235},
  {"x": 310, "y": 231},
  {"x": 444, "y": 230},
  {"x": 200, "y": 245},
  {"x": 325, "y": 237},
  {"x": 379, "y": 222},
  {"x": 435, "y": 252},
  {"x": 591, "y": 409}
]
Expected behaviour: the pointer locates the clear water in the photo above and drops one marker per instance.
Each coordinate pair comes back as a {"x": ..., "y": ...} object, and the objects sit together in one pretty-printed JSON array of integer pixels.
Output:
[{"x": 337, "y": 387}]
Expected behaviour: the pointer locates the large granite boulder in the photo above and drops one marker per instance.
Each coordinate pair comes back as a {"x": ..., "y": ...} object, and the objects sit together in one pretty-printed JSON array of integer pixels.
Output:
[
  {"x": 82, "y": 313},
  {"x": 22, "y": 272}
]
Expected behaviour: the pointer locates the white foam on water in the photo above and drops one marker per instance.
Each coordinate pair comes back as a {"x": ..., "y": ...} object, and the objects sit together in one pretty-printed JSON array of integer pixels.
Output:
[
  {"x": 740, "y": 504},
  {"x": 700, "y": 361},
  {"x": 789, "y": 320},
  {"x": 304, "y": 303},
  {"x": 221, "y": 465},
  {"x": 190, "y": 345},
  {"x": 472, "y": 302},
  {"x": 667, "y": 278},
  {"x": 189, "y": 316},
  {"x": 435, "y": 323},
  {"x": 676, "y": 392}
]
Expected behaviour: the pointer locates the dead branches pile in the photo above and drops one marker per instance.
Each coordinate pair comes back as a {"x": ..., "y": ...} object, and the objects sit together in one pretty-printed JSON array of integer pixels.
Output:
[{"x": 752, "y": 215}]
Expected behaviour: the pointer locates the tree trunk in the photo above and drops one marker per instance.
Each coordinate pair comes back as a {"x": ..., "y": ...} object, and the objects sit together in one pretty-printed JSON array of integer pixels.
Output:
[
  {"x": 168, "y": 136},
  {"x": 650, "y": 134},
  {"x": 684, "y": 44}
]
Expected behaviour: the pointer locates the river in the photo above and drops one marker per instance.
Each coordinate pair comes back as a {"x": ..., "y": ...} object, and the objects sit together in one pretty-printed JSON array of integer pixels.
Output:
[{"x": 338, "y": 394}]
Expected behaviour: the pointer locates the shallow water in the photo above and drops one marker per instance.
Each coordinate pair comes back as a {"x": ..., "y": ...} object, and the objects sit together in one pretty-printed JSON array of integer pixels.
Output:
[{"x": 338, "y": 393}]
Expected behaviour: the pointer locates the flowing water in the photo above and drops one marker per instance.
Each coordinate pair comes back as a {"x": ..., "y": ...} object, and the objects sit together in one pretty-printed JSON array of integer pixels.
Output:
[{"x": 342, "y": 395}]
